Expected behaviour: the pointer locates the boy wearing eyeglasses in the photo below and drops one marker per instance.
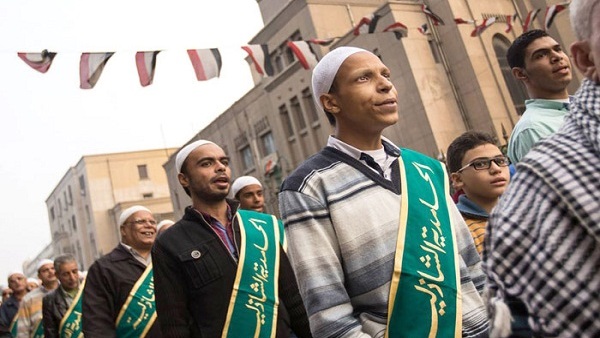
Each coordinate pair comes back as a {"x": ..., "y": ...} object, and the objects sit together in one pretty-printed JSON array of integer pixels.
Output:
[{"x": 478, "y": 168}]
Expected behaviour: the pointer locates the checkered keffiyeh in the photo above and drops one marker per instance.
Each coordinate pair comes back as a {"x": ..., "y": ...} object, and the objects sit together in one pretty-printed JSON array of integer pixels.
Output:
[{"x": 543, "y": 238}]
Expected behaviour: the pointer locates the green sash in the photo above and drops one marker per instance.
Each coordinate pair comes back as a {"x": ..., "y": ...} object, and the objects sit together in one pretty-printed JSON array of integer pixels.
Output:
[
  {"x": 254, "y": 300},
  {"x": 425, "y": 298},
  {"x": 139, "y": 311},
  {"x": 39, "y": 330},
  {"x": 70, "y": 326},
  {"x": 13, "y": 325}
]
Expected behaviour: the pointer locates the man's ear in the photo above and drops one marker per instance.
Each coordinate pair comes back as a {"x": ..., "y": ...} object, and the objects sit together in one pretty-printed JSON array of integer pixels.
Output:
[
  {"x": 581, "y": 56},
  {"x": 330, "y": 103},
  {"x": 183, "y": 180},
  {"x": 457, "y": 181},
  {"x": 519, "y": 73}
]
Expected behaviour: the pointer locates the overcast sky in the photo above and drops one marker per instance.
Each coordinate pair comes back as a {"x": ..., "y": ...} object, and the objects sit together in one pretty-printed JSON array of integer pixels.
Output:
[{"x": 47, "y": 123}]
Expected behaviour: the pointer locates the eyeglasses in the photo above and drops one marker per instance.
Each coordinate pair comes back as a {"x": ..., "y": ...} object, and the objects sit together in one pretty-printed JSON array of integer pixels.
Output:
[
  {"x": 486, "y": 163},
  {"x": 143, "y": 221}
]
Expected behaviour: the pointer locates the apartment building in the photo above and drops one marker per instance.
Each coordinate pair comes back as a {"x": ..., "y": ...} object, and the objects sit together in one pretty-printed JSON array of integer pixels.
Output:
[{"x": 84, "y": 207}]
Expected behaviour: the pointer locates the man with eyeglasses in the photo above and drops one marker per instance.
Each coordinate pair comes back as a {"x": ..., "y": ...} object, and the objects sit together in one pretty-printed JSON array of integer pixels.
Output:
[{"x": 118, "y": 297}]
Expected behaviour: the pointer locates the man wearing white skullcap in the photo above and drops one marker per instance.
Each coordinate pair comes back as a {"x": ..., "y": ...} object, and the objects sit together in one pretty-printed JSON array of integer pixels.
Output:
[
  {"x": 197, "y": 261},
  {"x": 345, "y": 210},
  {"x": 248, "y": 190},
  {"x": 30, "y": 310},
  {"x": 118, "y": 281},
  {"x": 9, "y": 310},
  {"x": 164, "y": 225}
]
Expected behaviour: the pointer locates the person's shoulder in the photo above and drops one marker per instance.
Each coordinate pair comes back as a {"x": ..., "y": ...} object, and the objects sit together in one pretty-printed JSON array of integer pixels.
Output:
[{"x": 319, "y": 161}]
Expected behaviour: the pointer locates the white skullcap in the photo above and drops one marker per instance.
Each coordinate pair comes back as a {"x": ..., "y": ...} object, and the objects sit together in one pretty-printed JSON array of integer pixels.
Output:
[
  {"x": 130, "y": 211},
  {"x": 19, "y": 272},
  {"x": 42, "y": 263},
  {"x": 325, "y": 71},
  {"x": 242, "y": 182},
  {"x": 163, "y": 223},
  {"x": 185, "y": 152},
  {"x": 33, "y": 280}
]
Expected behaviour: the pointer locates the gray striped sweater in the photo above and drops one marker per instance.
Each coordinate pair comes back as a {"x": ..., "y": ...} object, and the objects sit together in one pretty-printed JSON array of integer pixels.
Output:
[{"x": 341, "y": 223}]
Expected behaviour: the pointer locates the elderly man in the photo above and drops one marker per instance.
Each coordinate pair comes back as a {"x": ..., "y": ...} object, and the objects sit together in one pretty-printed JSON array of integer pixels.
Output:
[
  {"x": 541, "y": 64},
  {"x": 30, "y": 311},
  {"x": 249, "y": 191},
  {"x": 62, "y": 307},
  {"x": 542, "y": 244},
  {"x": 118, "y": 298},
  {"x": 223, "y": 272},
  {"x": 9, "y": 310},
  {"x": 376, "y": 242}
]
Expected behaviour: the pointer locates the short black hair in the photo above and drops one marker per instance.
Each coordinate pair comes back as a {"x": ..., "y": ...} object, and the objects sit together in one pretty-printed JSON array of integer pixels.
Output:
[
  {"x": 516, "y": 52},
  {"x": 465, "y": 142}
]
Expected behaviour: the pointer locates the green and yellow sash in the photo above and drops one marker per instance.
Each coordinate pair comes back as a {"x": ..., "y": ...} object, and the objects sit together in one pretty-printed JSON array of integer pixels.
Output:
[
  {"x": 39, "y": 330},
  {"x": 13, "y": 325},
  {"x": 139, "y": 311},
  {"x": 70, "y": 326},
  {"x": 425, "y": 298},
  {"x": 254, "y": 300}
]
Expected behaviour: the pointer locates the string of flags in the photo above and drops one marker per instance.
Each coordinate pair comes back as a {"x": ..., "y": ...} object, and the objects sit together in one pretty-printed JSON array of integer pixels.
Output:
[{"x": 207, "y": 63}]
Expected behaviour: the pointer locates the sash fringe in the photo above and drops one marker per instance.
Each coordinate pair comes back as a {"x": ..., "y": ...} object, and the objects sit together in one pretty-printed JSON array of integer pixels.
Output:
[{"x": 500, "y": 317}]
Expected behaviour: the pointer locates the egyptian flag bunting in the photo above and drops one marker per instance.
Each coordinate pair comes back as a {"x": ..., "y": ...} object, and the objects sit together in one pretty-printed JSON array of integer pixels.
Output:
[
  {"x": 206, "y": 63},
  {"x": 510, "y": 19},
  {"x": 552, "y": 11},
  {"x": 436, "y": 19},
  {"x": 90, "y": 68},
  {"x": 399, "y": 29},
  {"x": 423, "y": 29},
  {"x": 366, "y": 25},
  {"x": 461, "y": 21},
  {"x": 529, "y": 19},
  {"x": 38, "y": 61},
  {"x": 322, "y": 42},
  {"x": 485, "y": 24},
  {"x": 304, "y": 54},
  {"x": 261, "y": 59},
  {"x": 146, "y": 64}
]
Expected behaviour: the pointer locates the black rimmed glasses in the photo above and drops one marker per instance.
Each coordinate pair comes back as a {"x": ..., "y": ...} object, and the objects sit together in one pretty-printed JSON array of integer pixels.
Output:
[
  {"x": 143, "y": 221},
  {"x": 486, "y": 162}
]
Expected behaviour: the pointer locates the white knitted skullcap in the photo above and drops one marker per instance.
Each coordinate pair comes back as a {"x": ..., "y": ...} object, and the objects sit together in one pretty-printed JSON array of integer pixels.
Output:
[
  {"x": 185, "y": 152},
  {"x": 325, "y": 71},
  {"x": 15, "y": 272},
  {"x": 130, "y": 211},
  {"x": 163, "y": 223},
  {"x": 242, "y": 182},
  {"x": 43, "y": 262}
]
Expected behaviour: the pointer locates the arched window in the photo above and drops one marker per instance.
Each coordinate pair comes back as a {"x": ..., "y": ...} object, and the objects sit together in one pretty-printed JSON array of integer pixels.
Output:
[{"x": 516, "y": 89}]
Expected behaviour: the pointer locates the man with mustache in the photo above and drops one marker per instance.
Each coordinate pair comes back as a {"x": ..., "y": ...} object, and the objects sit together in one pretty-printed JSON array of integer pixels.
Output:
[
  {"x": 540, "y": 63},
  {"x": 223, "y": 271}
]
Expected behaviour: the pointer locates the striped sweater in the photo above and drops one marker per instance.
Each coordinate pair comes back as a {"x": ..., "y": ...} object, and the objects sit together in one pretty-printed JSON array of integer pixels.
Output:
[{"x": 341, "y": 223}]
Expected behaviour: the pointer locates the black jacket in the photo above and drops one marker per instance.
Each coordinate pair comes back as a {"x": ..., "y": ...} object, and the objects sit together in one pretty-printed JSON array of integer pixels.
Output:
[
  {"x": 195, "y": 290},
  {"x": 108, "y": 283},
  {"x": 54, "y": 307}
]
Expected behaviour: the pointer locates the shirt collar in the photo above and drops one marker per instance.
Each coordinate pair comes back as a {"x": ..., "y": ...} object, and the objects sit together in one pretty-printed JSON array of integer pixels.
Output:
[
  {"x": 354, "y": 152},
  {"x": 137, "y": 256}
]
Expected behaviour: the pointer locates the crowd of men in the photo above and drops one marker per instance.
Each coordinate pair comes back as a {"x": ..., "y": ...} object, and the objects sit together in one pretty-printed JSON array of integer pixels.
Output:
[{"x": 371, "y": 242}]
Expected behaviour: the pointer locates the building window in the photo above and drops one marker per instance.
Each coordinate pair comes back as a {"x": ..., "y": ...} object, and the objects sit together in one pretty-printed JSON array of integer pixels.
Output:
[
  {"x": 247, "y": 157},
  {"x": 70, "y": 194},
  {"x": 52, "y": 216},
  {"x": 285, "y": 119},
  {"x": 298, "y": 114},
  {"x": 82, "y": 185},
  {"x": 73, "y": 223},
  {"x": 309, "y": 105},
  {"x": 435, "y": 51},
  {"x": 87, "y": 214},
  {"x": 147, "y": 195},
  {"x": 143, "y": 171},
  {"x": 516, "y": 89},
  {"x": 268, "y": 143},
  {"x": 60, "y": 208},
  {"x": 66, "y": 200},
  {"x": 278, "y": 62}
]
